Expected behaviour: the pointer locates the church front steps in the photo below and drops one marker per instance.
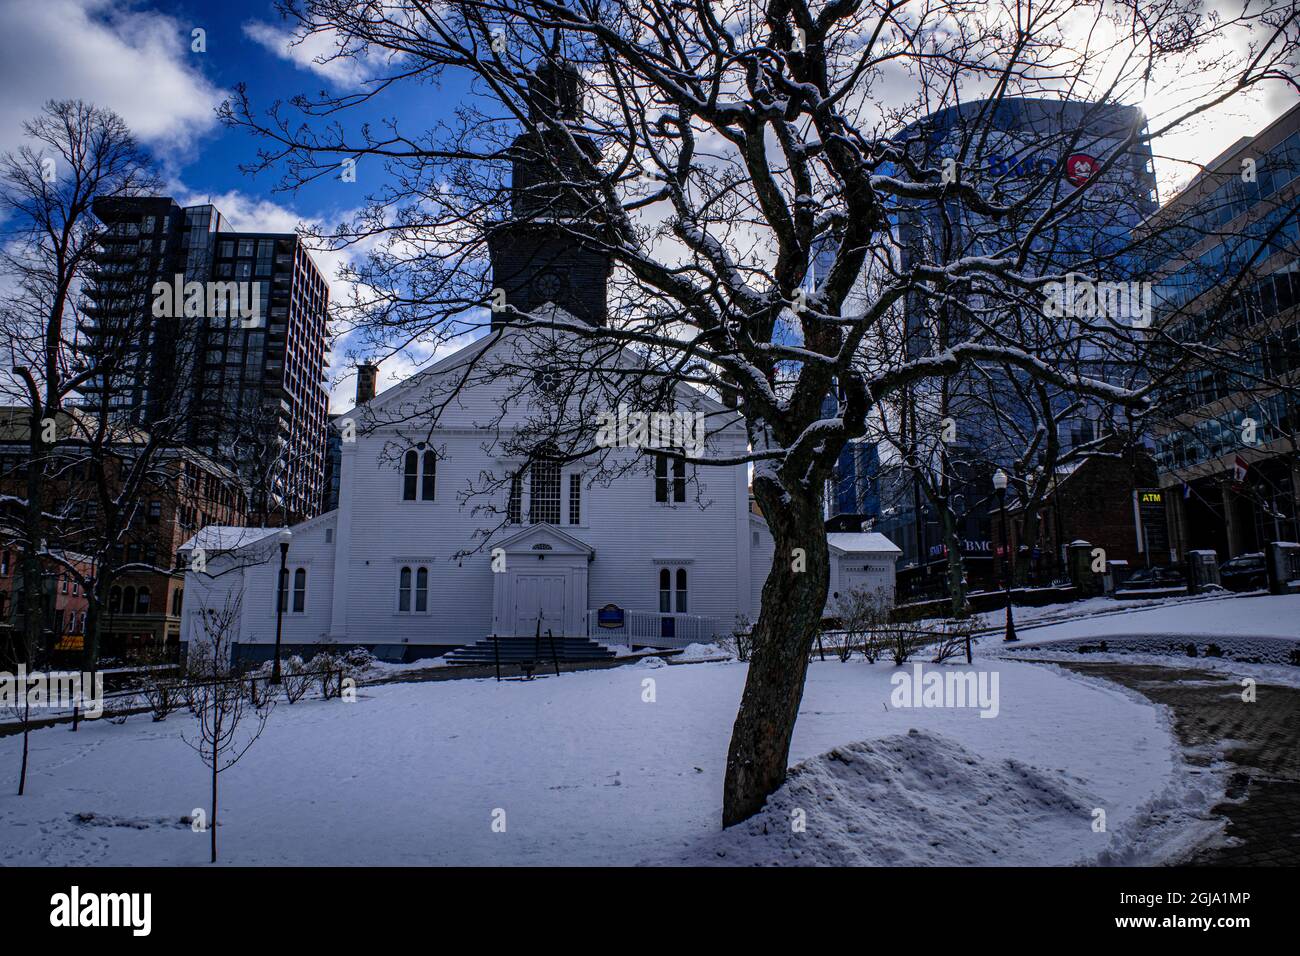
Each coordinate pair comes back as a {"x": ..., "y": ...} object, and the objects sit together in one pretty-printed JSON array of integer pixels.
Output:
[{"x": 516, "y": 649}]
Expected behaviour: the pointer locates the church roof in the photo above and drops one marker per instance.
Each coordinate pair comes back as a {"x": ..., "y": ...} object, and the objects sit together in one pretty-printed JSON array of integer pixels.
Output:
[
  {"x": 863, "y": 541},
  {"x": 687, "y": 394}
]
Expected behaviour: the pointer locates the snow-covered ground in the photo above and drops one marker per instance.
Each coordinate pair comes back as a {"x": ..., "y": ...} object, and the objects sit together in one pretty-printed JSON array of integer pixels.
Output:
[{"x": 586, "y": 771}]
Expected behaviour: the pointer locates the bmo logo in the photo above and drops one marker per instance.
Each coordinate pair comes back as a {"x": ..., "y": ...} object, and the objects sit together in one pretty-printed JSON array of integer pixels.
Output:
[
  {"x": 1017, "y": 167},
  {"x": 1079, "y": 168}
]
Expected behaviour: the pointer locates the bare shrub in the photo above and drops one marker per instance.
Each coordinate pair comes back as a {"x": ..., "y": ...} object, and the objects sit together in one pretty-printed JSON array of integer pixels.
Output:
[
  {"x": 952, "y": 639},
  {"x": 162, "y": 685},
  {"x": 863, "y": 613},
  {"x": 841, "y": 643},
  {"x": 261, "y": 691},
  {"x": 357, "y": 659},
  {"x": 741, "y": 640},
  {"x": 296, "y": 678},
  {"x": 164, "y": 696},
  {"x": 901, "y": 640},
  {"x": 873, "y": 646},
  {"x": 325, "y": 667}
]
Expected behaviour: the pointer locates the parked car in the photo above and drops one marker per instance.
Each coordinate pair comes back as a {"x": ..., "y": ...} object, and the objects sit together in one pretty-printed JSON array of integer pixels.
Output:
[
  {"x": 1246, "y": 572},
  {"x": 1153, "y": 579}
]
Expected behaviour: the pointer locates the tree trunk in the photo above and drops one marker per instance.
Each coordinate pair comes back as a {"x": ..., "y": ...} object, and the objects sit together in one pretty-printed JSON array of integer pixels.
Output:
[
  {"x": 212, "y": 818},
  {"x": 33, "y": 541},
  {"x": 27, "y": 728},
  {"x": 956, "y": 569},
  {"x": 90, "y": 640},
  {"x": 794, "y": 597},
  {"x": 1029, "y": 532}
]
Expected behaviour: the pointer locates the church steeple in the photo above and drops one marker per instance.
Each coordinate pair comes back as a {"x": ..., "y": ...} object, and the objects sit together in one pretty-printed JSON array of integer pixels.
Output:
[
  {"x": 538, "y": 255},
  {"x": 556, "y": 93}
]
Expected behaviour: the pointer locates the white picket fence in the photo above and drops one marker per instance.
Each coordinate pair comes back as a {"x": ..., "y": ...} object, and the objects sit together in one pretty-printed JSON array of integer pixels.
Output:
[{"x": 646, "y": 629}]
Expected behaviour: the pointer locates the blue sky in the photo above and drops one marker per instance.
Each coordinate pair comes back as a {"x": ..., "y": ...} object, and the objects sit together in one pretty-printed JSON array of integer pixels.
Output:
[
  {"x": 98, "y": 50},
  {"x": 246, "y": 43},
  {"x": 137, "y": 59}
]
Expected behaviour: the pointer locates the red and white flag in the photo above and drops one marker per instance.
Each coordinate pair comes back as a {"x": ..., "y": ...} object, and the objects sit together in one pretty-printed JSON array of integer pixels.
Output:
[{"x": 1239, "y": 470}]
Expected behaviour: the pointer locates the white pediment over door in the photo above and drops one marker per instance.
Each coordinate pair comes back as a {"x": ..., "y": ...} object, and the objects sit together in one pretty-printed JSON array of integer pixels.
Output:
[{"x": 543, "y": 539}]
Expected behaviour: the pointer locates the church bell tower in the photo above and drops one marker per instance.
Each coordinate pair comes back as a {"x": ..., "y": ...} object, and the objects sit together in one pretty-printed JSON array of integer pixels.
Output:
[{"x": 538, "y": 254}]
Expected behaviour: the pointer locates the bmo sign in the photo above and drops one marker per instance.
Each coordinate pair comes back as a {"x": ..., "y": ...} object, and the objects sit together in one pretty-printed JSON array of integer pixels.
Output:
[{"x": 1079, "y": 168}]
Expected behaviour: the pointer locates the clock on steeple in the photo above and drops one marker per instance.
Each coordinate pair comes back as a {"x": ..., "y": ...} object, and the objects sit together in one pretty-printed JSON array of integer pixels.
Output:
[{"x": 548, "y": 251}]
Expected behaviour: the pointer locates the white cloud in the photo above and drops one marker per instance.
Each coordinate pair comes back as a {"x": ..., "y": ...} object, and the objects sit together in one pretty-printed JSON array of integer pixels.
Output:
[
  {"x": 137, "y": 63},
  {"x": 314, "y": 52}
]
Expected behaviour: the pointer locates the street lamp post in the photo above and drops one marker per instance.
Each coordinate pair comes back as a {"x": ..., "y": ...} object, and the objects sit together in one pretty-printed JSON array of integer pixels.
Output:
[
  {"x": 1000, "y": 486},
  {"x": 281, "y": 598}
]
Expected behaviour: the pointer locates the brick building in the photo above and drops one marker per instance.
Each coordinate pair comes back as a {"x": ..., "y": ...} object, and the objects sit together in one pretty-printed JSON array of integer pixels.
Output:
[
  {"x": 65, "y": 604},
  {"x": 186, "y": 490},
  {"x": 1099, "y": 500}
]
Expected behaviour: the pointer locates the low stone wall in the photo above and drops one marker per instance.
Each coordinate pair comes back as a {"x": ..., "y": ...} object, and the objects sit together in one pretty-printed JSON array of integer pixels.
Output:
[{"x": 982, "y": 601}]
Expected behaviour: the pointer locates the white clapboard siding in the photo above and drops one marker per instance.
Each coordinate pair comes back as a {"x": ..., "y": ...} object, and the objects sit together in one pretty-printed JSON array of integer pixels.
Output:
[{"x": 353, "y": 556}]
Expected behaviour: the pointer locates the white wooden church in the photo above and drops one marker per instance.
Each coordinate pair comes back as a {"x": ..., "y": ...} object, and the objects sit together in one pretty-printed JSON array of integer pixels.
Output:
[{"x": 445, "y": 536}]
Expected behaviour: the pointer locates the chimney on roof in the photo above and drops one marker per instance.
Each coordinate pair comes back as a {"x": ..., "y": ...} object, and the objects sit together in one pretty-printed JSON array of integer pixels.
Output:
[{"x": 367, "y": 373}]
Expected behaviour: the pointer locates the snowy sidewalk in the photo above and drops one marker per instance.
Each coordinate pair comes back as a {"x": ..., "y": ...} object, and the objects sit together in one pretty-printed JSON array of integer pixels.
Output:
[{"x": 1257, "y": 739}]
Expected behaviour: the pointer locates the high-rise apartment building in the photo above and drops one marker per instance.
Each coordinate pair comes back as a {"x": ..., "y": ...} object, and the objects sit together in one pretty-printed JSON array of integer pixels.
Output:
[{"x": 248, "y": 376}]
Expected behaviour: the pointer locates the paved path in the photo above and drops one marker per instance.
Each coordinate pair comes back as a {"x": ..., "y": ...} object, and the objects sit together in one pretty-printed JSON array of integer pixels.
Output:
[{"x": 1264, "y": 748}]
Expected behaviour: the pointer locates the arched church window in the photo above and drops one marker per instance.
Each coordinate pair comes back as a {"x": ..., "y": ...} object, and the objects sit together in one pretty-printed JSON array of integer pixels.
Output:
[
  {"x": 404, "y": 590},
  {"x": 410, "y": 470},
  {"x": 428, "y": 478}
]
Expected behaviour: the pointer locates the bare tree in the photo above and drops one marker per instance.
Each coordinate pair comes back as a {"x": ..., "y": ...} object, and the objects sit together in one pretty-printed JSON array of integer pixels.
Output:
[
  {"x": 229, "y": 722},
  {"x": 720, "y": 148},
  {"x": 77, "y": 153}
]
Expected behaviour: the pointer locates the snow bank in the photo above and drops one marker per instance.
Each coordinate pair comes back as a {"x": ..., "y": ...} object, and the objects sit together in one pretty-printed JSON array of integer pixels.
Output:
[
  {"x": 1183, "y": 645},
  {"x": 702, "y": 652},
  {"x": 912, "y": 800},
  {"x": 1256, "y": 636}
]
